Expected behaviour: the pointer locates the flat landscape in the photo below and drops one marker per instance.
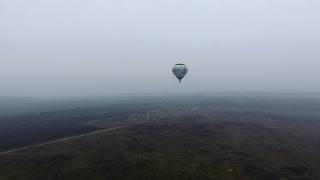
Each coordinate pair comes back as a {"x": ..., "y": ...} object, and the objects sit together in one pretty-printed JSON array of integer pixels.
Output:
[{"x": 182, "y": 138}]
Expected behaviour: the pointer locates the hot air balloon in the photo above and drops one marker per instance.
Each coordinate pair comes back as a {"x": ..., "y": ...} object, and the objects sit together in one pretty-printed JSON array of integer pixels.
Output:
[{"x": 180, "y": 70}]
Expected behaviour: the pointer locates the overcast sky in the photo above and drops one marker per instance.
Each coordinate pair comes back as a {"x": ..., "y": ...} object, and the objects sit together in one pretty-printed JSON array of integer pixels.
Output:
[{"x": 62, "y": 48}]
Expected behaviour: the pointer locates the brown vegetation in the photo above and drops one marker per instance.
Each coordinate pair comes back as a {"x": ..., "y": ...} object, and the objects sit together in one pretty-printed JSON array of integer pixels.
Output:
[{"x": 233, "y": 141}]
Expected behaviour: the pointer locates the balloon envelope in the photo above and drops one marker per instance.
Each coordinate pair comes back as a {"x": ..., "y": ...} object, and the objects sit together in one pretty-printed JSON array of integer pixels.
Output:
[{"x": 180, "y": 70}]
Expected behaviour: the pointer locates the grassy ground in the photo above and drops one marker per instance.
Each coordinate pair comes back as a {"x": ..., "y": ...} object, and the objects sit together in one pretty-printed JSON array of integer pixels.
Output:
[{"x": 236, "y": 139}]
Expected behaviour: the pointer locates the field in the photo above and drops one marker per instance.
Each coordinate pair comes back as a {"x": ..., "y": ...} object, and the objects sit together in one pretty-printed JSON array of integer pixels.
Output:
[{"x": 187, "y": 138}]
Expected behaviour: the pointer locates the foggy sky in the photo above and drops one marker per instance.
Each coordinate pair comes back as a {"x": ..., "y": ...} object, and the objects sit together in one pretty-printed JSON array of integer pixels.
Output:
[{"x": 67, "y": 48}]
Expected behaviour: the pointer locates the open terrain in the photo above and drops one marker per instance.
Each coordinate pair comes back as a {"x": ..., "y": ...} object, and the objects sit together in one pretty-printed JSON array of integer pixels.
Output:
[{"x": 194, "y": 138}]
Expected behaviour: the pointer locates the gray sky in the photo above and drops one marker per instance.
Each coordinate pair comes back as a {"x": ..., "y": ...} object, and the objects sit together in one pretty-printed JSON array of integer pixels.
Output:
[{"x": 100, "y": 48}]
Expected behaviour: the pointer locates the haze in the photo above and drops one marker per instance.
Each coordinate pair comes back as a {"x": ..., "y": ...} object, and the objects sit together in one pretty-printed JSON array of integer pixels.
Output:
[{"x": 102, "y": 48}]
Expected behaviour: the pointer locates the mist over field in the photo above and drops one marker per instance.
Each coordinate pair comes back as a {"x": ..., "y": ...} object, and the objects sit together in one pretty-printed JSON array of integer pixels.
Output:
[
  {"x": 107, "y": 48},
  {"x": 89, "y": 89}
]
